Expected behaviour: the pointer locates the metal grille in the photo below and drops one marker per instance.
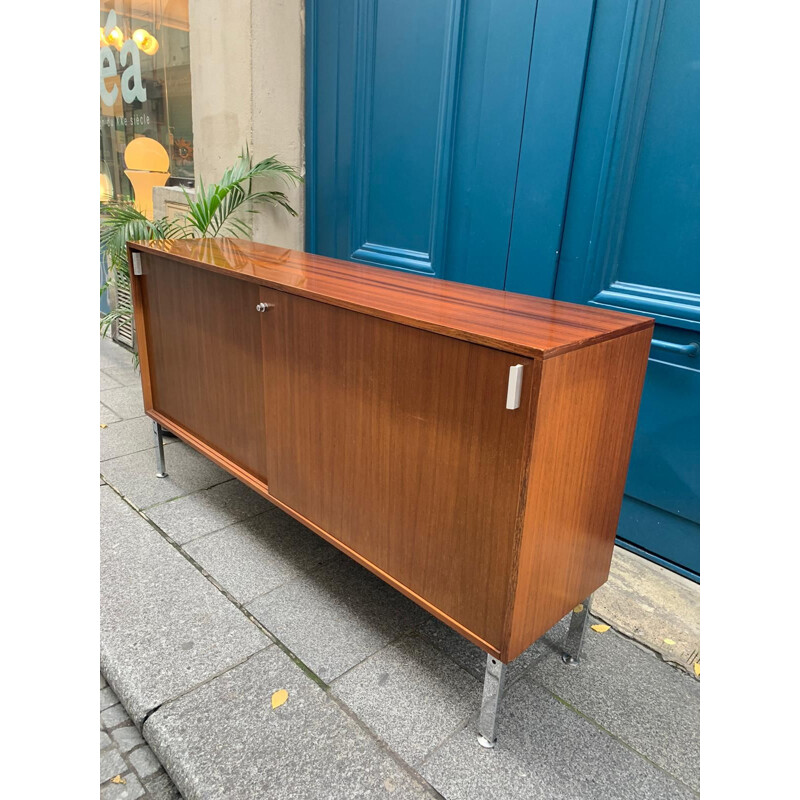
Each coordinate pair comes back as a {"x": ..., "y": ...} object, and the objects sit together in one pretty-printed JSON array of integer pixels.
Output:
[{"x": 123, "y": 327}]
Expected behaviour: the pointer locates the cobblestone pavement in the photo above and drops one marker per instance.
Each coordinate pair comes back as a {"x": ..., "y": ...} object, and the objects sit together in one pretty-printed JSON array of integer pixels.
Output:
[{"x": 129, "y": 769}]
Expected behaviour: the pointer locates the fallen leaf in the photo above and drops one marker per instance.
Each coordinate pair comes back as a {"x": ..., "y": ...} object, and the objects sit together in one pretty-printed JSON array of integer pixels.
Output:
[
  {"x": 669, "y": 641},
  {"x": 279, "y": 698},
  {"x": 118, "y": 779},
  {"x": 578, "y": 608},
  {"x": 697, "y": 668},
  {"x": 601, "y": 628},
  {"x": 103, "y": 425}
]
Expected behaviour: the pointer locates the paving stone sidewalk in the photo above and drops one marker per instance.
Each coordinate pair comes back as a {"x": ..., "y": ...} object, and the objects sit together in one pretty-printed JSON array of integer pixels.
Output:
[
  {"x": 213, "y": 601},
  {"x": 128, "y": 767}
]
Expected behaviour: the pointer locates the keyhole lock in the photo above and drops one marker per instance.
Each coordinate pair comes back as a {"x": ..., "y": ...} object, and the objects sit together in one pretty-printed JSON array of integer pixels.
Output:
[{"x": 262, "y": 307}]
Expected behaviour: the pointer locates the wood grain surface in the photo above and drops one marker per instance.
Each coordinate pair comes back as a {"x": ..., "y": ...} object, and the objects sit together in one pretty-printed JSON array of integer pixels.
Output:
[
  {"x": 517, "y": 323},
  {"x": 371, "y": 405},
  {"x": 203, "y": 353},
  {"x": 398, "y": 443},
  {"x": 585, "y": 420}
]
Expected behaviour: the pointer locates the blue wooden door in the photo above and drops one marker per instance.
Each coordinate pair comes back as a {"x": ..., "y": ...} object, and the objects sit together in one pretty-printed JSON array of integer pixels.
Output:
[
  {"x": 631, "y": 242},
  {"x": 414, "y": 119},
  {"x": 543, "y": 147}
]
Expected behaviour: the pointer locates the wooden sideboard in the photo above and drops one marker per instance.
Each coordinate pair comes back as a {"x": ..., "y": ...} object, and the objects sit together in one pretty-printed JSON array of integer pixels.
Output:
[{"x": 469, "y": 446}]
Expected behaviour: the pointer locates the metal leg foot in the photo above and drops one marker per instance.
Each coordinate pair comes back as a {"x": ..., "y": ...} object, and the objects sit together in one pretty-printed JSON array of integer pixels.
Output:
[
  {"x": 492, "y": 694},
  {"x": 161, "y": 470},
  {"x": 577, "y": 630}
]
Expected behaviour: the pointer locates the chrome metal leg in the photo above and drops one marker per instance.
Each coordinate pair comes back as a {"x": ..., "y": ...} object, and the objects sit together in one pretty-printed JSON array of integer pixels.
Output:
[
  {"x": 577, "y": 630},
  {"x": 492, "y": 694},
  {"x": 161, "y": 470}
]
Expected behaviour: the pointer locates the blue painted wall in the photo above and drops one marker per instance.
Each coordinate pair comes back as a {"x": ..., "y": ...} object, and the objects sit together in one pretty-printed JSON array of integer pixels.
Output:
[{"x": 548, "y": 147}]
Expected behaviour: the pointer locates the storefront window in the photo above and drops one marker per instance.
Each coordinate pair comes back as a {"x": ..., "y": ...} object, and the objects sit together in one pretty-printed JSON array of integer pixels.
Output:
[{"x": 145, "y": 97}]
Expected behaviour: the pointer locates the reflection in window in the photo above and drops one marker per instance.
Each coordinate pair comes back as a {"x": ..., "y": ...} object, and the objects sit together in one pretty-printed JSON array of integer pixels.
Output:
[{"x": 145, "y": 93}]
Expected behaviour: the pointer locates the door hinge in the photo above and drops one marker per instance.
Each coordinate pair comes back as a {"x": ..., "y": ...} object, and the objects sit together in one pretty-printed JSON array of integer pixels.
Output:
[
  {"x": 514, "y": 387},
  {"x": 136, "y": 260}
]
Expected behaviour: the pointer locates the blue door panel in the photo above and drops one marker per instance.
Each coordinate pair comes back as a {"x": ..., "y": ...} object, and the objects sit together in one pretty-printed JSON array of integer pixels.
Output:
[
  {"x": 414, "y": 119},
  {"x": 656, "y": 534},
  {"x": 665, "y": 461},
  {"x": 590, "y": 162},
  {"x": 404, "y": 94},
  {"x": 661, "y": 246},
  {"x": 496, "y": 52},
  {"x": 330, "y": 79},
  {"x": 558, "y": 58}
]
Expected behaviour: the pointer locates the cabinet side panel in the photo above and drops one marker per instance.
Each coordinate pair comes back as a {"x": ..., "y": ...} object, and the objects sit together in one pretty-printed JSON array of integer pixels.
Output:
[
  {"x": 585, "y": 420},
  {"x": 203, "y": 357}
]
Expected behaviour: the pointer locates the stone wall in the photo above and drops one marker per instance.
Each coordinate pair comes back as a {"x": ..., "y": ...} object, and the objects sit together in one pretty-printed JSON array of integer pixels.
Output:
[{"x": 248, "y": 89}]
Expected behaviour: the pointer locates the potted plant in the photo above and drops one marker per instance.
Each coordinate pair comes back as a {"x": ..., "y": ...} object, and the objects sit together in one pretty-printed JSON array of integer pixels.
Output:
[{"x": 218, "y": 209}]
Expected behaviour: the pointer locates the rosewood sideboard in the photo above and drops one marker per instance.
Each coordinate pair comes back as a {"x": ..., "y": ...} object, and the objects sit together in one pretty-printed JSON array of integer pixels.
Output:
[{"x": 468, "y": 446}]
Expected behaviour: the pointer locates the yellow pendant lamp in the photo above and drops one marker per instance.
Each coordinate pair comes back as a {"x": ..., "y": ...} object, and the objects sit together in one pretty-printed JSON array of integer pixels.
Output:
[
  {"x": 145, "y": 41},
  {"x": 115, "y": 37}
]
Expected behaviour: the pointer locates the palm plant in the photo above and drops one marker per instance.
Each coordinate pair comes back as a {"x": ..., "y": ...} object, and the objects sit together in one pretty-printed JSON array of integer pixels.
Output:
[{"x": 218, "y": 209}]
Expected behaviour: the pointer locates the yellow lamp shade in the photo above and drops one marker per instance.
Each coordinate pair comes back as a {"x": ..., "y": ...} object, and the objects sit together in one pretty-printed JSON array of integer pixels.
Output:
[
  {"x": 145, "y": 41},
  {"x": 143, "y": 153}
]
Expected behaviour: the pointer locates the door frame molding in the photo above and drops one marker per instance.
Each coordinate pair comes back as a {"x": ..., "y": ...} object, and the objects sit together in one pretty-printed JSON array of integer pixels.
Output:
[
  {"x": 359, "y": 247},
  {"x": 384, "y": 255},
  {"x": 309, "y": 143},
  {"x": 643, "y": 24}
]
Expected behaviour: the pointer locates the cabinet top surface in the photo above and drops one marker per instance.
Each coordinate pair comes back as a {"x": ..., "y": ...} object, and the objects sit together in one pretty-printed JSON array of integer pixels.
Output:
[{"x": 518, "y": 323}]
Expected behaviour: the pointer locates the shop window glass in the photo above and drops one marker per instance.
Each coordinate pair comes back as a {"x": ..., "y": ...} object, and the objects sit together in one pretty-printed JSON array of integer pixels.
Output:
[{"x": 145, "y": 95}]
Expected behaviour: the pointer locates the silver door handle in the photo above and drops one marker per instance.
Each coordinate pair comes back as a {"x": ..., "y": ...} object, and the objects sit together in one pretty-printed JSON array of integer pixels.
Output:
[
  {"x": 136, "y": 259},
  {"x": 514, "y": 387},
  {"x": 690, "y": 349},
  {"x": 262, "y": 307}
]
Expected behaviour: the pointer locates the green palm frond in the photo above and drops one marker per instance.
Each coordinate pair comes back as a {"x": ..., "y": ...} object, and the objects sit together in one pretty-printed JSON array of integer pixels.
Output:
[
  {"x": 108, "y": 319},
  {"x": 121, "y": 222},
  {"x": 215, "y": 210}
]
